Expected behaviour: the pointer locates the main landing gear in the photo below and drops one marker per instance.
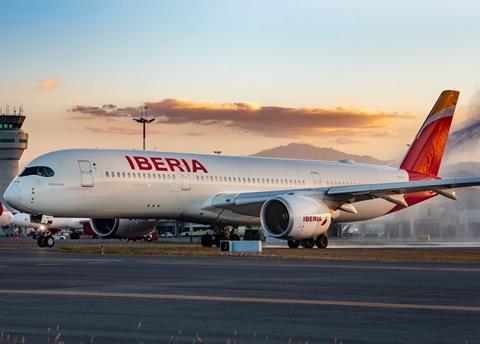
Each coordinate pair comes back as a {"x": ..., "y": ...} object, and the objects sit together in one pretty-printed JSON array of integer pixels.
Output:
[
  {"x": 45, "y": 240},
  {"x": 321, "y": 241}
]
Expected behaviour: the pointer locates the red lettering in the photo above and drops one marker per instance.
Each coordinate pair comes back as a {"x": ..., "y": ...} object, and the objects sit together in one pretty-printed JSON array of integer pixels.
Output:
[
  {"x": 197, "y": 166},
  {"x": 130, "y": 162},
  {"x": 142, "y": 163},
  {"x": 314, "y": 218},
  {"x": 158, "y": 164},
  {"x": 186, "y": 165},
  {"x": 165, "y": 164},
  {"x": 174, "y": 163}
]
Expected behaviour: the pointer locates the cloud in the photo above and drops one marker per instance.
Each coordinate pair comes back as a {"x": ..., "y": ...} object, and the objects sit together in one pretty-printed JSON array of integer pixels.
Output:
[
  {"x": 47, "y": 84},
  {"x": 352, "y": 139},
  {"x": 117, "y": 130},
  {"x": 466, "y": 137},
  {"x": 278, "y": 121}
]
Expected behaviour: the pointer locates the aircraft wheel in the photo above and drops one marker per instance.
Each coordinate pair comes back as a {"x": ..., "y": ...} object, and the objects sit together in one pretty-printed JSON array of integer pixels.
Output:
[
  {"x": 40, "y": 241},
  {"x": 259, "y": 236},
  {"x": 207, "y": 240},
  {"x": 321, "y": 241},
  {"x": 308, "y": 243},
  {"x": 49, "y": 241},
  {"x": 293, "y": 243}
]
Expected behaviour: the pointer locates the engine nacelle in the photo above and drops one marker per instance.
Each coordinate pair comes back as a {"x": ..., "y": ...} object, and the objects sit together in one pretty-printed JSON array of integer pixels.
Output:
[
  {"x": 295, "y": 217},
  {"x": 121, "y": 228}
]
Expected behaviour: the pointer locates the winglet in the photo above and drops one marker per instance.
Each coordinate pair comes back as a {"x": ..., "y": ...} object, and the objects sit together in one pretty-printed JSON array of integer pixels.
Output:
[{"x": 425, "y": 153}]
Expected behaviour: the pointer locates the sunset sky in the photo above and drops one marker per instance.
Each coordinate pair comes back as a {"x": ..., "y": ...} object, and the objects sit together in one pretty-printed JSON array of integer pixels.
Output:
[{"x": 240, "y": 76}]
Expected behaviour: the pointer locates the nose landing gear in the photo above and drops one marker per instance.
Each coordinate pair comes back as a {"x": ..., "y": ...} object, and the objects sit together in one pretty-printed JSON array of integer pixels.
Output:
[{"x": 45, "y": 240}]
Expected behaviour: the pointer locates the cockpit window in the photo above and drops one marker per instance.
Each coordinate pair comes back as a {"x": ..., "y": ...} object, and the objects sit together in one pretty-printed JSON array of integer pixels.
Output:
[{"x": 42, "y": 171}]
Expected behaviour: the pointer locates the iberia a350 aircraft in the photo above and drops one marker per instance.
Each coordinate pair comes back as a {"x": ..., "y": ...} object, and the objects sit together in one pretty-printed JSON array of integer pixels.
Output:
[{"x": 296, "y": 200}]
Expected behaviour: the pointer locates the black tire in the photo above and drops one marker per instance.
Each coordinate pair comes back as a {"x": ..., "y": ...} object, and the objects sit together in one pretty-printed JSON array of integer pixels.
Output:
[
  {"x": 258, "y": 236},
  {"x": 207, "y": 240},
  {"x": 49, "y": 241},
  {"x": 249, "y": 235},
  {"x": 234, "y": 237},
  {"x": 293, "y": 243},
  {"x": 40, "y": 241},
  {"x": 308, "y": 243},
  {"x": 321, "y": 241}
]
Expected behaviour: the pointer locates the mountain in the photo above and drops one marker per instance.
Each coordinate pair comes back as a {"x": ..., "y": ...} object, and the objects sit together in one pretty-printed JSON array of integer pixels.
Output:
[{"x": 309, "y": 152}]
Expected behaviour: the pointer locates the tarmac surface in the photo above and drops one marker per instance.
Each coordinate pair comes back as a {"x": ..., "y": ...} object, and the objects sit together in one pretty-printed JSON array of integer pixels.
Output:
[{"x": 126, "y": 299}]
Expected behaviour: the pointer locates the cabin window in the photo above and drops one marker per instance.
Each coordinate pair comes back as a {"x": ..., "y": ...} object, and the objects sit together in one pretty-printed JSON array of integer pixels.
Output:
[{"x": 106, "y": 174}]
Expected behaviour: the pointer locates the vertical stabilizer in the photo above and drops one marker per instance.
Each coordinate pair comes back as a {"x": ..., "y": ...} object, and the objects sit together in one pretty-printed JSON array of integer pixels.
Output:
[{"x": 426, "y": 151}]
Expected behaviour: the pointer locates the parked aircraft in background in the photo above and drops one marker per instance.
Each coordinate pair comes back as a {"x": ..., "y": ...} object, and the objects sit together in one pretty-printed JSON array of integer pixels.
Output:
[
  {"x": 46, "y": 226},
  {"x": 295, "y": 200},
  {"x": 6, "y": 217}
]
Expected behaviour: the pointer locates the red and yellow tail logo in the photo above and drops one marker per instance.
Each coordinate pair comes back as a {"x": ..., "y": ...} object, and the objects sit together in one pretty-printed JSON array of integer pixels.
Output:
[{"x": 426, "y": 151}]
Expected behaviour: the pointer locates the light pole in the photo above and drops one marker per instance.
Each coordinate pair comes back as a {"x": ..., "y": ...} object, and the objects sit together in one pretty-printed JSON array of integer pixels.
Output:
[{"x": 144, "y": 121}]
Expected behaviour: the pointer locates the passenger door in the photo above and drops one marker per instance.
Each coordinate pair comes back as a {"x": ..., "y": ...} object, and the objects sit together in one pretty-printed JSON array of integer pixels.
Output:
[
  {"x": 186, "y": 182},
  {"x": 86, "y": 173},
  {"x": 316, "y": 179}
]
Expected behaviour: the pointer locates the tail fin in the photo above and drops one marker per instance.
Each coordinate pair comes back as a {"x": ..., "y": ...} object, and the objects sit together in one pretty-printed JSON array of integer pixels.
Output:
[{"x": 426, "y": 151}]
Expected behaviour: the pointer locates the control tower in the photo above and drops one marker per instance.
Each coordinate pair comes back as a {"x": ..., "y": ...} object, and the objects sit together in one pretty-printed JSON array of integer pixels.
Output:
[{"x": 13, "y": 141}]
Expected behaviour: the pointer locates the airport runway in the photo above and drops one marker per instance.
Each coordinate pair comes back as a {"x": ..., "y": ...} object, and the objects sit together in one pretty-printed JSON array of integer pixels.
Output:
[{"x": 234, "y": 299}]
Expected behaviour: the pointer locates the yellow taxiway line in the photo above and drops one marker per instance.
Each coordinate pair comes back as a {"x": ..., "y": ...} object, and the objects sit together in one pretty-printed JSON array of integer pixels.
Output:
[{"x": 244, "y": 299}]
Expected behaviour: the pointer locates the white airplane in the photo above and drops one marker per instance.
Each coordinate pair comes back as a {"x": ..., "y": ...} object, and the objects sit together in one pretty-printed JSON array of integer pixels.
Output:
[
  {"x": 45, "y": 226},
  {"x": 6, "y": 217},
  {"x": 295, "y": 200}
]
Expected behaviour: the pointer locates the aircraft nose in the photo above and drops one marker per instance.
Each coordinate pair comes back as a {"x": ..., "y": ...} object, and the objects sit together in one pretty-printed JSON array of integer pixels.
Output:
[{"x": 13, "y": 195}]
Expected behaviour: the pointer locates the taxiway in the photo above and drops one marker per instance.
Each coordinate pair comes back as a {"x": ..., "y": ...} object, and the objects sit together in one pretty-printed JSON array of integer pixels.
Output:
[{"x": 123, "y": 298}]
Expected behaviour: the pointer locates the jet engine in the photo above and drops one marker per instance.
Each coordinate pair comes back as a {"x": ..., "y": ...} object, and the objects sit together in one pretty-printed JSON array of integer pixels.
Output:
[
  {"x": 121, "y": 228},
  {"x": 295, "y": 217}
]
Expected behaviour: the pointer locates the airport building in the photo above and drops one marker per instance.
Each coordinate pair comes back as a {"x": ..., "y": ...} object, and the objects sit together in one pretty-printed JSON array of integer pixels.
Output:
[
  {"x": 13, "y": 141},
  {"x": 436, "y": 219}
]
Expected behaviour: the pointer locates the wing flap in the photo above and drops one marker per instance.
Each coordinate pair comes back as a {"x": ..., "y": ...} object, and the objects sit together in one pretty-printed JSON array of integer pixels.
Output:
[{"x": 250, "y": 203}]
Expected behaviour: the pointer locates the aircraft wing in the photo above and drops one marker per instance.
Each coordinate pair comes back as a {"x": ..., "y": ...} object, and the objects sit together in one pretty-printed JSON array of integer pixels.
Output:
[{"x": 250, "y": 203}]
